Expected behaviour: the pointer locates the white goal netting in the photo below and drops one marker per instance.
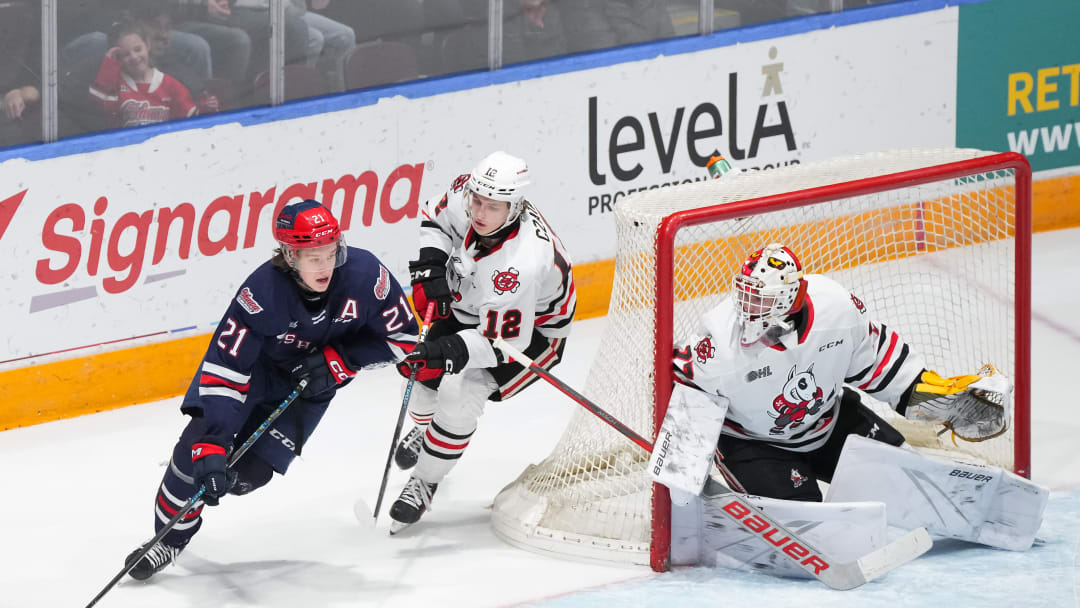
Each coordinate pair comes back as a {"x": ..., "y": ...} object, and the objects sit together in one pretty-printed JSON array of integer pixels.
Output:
[{"x": 935, "y": 261}]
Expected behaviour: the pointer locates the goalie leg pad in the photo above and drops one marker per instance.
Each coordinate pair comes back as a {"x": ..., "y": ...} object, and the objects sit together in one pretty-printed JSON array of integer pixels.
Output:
[
  {"x": 702, "y": 535},
  {"x": 686, "y": 442},
  {"x": 971, "y": 502}
]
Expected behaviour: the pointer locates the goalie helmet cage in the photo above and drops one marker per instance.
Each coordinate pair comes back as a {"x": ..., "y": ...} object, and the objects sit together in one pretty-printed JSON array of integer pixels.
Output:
[{"x": 936, "y": 243}]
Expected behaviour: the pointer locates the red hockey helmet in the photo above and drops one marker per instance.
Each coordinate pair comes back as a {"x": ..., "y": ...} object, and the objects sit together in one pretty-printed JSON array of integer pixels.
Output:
[{"x": 305, "y": 225}]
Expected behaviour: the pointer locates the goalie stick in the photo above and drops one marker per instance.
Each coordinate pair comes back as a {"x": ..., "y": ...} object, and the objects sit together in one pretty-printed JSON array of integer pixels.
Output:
[
  {"x": 430, "y": 312},
  {"x": 837, "y": 575},
  {"x": 233, "y": 459}
]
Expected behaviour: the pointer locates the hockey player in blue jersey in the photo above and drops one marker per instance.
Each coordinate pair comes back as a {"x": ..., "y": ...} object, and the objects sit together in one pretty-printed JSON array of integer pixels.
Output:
[{"x": 318, "y": 310}]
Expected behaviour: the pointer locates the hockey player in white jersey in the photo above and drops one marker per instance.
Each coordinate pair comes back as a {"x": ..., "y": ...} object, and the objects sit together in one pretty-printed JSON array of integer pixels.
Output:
[
  {"x": 770, "y": 373},
  {"x": 493, "y": 267}
]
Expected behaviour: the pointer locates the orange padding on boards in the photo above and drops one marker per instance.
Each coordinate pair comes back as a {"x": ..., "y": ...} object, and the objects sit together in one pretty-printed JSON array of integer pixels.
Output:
[{"x": 85, "y": 385}]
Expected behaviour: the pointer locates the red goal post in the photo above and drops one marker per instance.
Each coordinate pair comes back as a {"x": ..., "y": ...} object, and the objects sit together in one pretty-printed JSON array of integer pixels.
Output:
[{"x": 936, "y": 242}]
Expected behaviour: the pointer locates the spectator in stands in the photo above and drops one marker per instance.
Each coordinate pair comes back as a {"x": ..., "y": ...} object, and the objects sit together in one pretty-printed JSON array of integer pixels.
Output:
[
  {"x": 230, "y": 43},
  {"x": 20, "y": 79},
  {"x": 328, "y": 42},
  {"x": 763, "y": 11},
  {"x": 408, "y": 20},
  {"x": 184, "y": 56},
  {"x": 82, "y": 28},
  {"x": 599, "y": 24},
  {"x": 532, "y": 29},
  {"x": 239, "y": 35},
  {"x": 130, "y": 90},
  {"x": 16, "y": 123}
]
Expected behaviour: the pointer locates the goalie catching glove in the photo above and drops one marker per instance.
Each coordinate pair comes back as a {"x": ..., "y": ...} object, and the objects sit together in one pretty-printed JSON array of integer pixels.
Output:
[{"x": 974, "y": 407}]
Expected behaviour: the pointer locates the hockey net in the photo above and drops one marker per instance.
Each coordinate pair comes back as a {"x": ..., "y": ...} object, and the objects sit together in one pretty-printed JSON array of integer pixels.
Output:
[{"x": 936, "y": 243}]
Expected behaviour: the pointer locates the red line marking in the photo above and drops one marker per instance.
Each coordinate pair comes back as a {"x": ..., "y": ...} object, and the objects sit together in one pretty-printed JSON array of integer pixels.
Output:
[{"x": 74, "y": 348}]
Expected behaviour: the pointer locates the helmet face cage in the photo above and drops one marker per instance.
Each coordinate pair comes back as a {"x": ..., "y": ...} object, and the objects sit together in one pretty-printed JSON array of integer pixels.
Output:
[
  {"x": 291, "y": 253},
  {"x": 767, "y": 289},
  {"x": 307, "y": 225},
  {"x": 500, "y": 177}
]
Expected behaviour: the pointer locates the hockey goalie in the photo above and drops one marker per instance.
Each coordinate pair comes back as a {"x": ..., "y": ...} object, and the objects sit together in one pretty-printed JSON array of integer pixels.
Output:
[{"x": 765, "y": 393}]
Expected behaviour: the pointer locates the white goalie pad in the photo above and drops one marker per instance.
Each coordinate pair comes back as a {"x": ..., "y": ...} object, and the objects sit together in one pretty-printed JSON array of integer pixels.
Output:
[
  {"x": 703, "y": 536},
  {"x": 971, "y": 502},
  {"x": 686, "y": 442}
]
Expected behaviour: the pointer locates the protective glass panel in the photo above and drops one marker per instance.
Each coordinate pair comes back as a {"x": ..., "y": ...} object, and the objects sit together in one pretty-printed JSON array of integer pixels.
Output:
[
  {"x": 148, "y": 63},
  {"x": 20, "y": 72}
]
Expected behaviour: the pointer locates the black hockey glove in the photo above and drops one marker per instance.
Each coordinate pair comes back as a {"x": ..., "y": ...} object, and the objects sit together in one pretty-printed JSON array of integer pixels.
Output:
[
  {"x": 208, "y": 459},
  {"x": 447, "y": 354},
  {"x": 428, "y": 276},
  {"x": 324, "y": 370}
]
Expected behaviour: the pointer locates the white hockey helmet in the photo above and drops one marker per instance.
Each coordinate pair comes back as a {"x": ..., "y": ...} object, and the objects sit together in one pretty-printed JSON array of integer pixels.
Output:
[
  {"x": 500, "y": 177},
  {"x": 767, "y": 288}
]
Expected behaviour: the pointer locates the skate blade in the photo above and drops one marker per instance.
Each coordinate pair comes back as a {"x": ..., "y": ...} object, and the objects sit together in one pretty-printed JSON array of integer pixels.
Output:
[{"x": 397, "y": 526}]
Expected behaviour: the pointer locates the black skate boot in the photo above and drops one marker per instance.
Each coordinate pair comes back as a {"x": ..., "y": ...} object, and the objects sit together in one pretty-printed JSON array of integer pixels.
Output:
[
  {"x": 413, "y": 502},
  {"x": 155, "y": 560},
  {"x": 408, "y": 451}
]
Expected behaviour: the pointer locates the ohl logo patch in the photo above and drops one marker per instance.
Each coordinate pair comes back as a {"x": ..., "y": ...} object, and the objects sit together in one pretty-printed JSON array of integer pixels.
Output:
[
  {"x": 704, "y": 350},
  {"x": 506, "y": 280}
]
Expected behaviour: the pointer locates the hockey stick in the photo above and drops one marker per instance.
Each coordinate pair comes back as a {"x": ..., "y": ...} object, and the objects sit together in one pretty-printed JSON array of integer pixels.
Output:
[
  {"x": 233, "y": 459},
  {"x": 735, "y": 506},
  {"x": 404, "y": 407}
]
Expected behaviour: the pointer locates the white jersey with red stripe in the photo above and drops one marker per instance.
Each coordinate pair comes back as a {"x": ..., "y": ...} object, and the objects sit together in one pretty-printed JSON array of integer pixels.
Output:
[
  {"x": 788, "y": 394},
  {"x": 523, "y": 283}
]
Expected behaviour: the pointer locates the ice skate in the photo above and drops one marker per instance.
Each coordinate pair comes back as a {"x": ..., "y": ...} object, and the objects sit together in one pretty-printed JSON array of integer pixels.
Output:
[
  {"x": 414, "y": 501},
  {"x": 155, "y": 560},
  {"x": 408, "y": 451}
]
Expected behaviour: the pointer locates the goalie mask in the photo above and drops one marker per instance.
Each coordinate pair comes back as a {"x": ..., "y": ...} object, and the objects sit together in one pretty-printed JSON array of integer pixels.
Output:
[
  {"x": 767, "y": 289},
  {"x": 500, "y": 177},
  {"x": 307, "y": 225}
]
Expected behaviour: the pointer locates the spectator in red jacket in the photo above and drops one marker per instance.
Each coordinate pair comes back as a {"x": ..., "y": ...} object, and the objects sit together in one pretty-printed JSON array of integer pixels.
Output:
[{"x": 130, "y": 89}]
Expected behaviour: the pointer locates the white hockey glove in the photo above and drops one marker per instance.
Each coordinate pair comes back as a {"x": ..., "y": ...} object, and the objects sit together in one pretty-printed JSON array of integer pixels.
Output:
[{"x": 974, "y": 407}]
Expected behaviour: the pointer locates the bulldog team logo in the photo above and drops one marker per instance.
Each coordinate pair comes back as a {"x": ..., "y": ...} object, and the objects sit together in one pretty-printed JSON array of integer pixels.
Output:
[
  {"x": 506, "y": 280},
  {"x": 704, "y": 350},
  {"x": 800, "y": 398},
  {"x": 797, "y": 478}
]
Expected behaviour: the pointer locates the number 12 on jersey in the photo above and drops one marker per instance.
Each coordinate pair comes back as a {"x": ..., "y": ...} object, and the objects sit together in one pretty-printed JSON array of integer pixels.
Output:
[{"x": 509, "y": 327}]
